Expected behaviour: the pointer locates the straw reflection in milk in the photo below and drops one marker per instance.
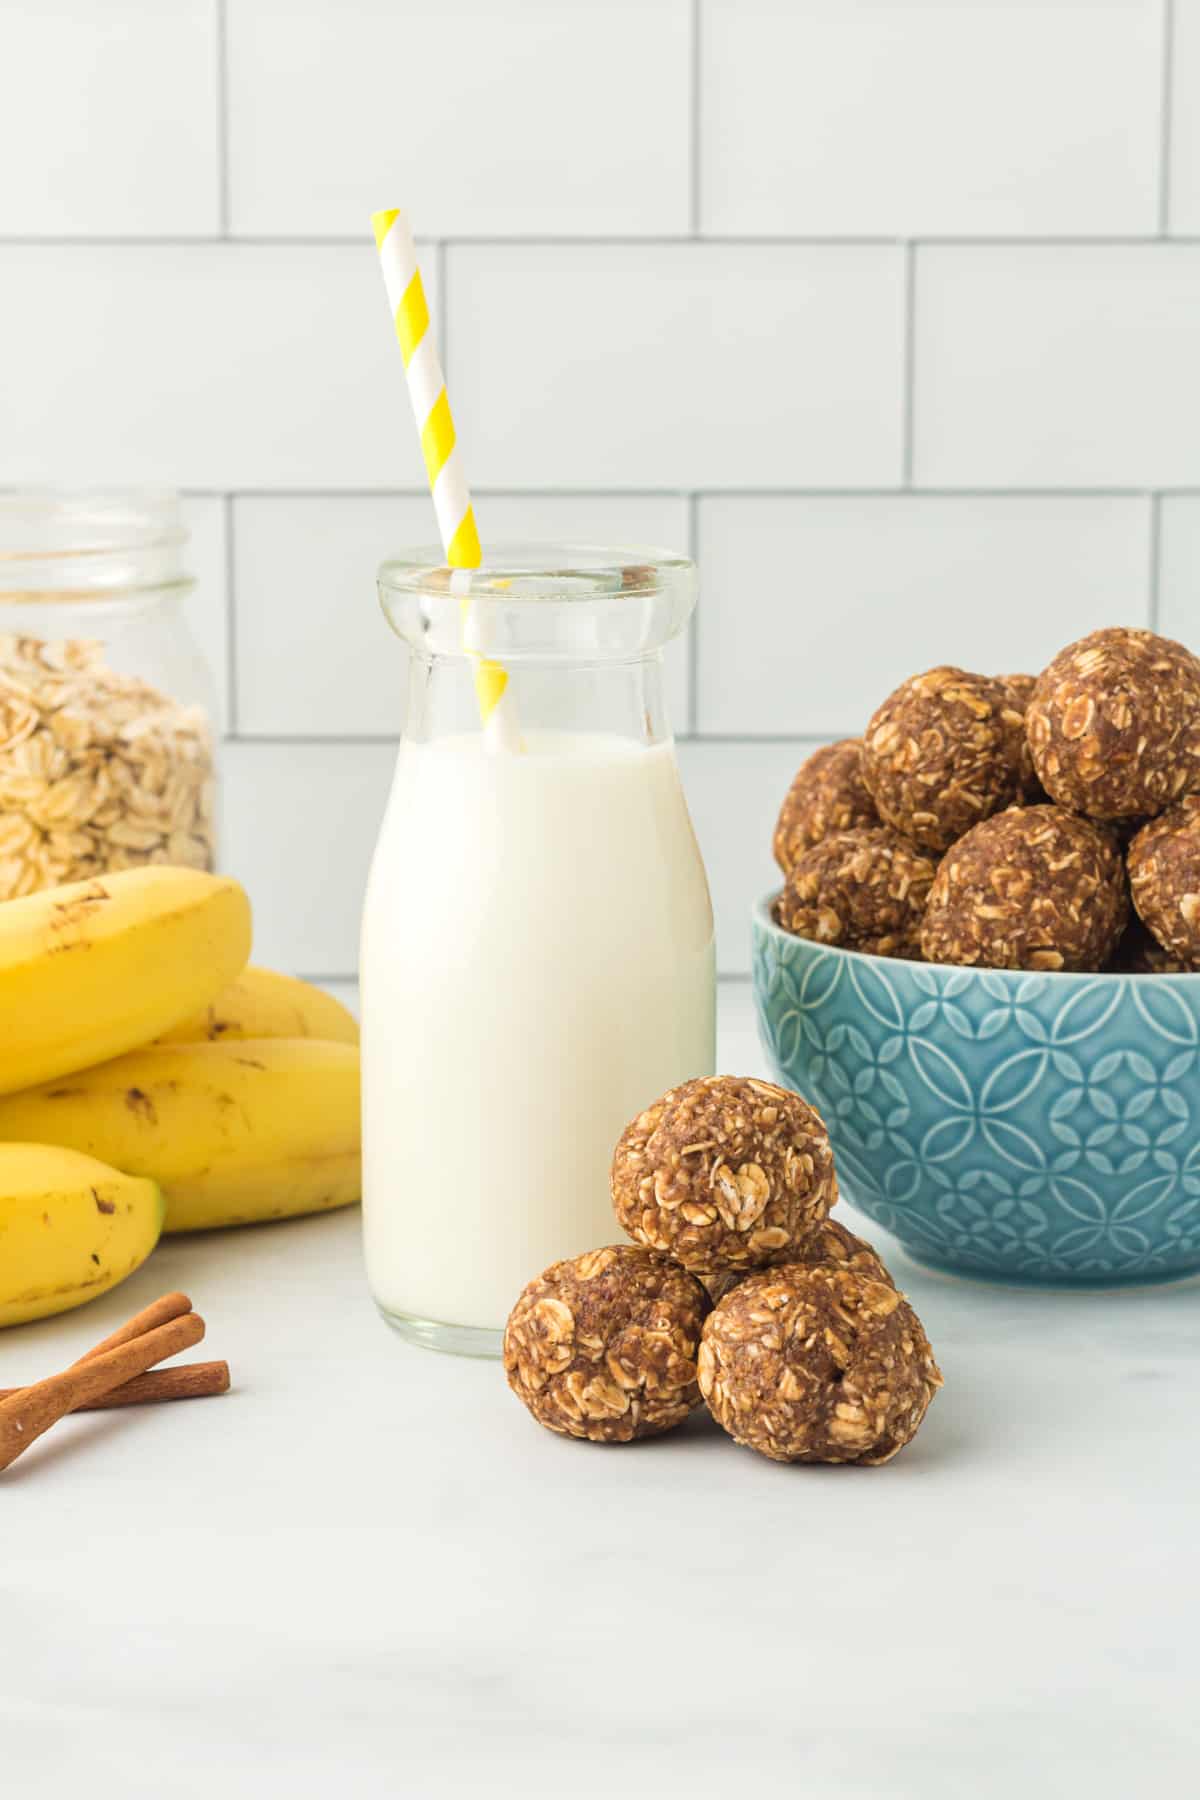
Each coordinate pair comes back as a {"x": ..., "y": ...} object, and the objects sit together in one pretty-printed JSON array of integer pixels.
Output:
[{"x": 537, "y": 965}]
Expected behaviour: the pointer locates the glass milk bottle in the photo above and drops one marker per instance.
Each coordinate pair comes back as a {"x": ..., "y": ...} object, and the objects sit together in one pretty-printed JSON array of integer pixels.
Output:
[{"x": 537, "y": 947}]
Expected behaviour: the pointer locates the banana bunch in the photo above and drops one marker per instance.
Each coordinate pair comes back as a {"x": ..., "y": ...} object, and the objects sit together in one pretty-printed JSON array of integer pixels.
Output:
[{"x": 150, "y": 1081}]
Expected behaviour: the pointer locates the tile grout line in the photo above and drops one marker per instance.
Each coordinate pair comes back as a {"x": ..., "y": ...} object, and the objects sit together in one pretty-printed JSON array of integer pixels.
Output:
[
  {"x": 605, "y": 241},
  {"x": 908, "y": 401},
  {"x": 1165, "y": 108},
  {"x": 536, "y": 492},
  {"x": 694, "y": 124},
  {"x": 223, "y": 193},
  {"x": 231, "y": 669},
  {"x": 1155, "y": 559},
  {"x": 693, "y": 649}
]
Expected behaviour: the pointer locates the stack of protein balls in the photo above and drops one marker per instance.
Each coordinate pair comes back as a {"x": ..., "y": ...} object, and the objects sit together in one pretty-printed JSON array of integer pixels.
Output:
[
  {"x": 739, "y": 1290},
  {"x": 1006, "y": 821}
]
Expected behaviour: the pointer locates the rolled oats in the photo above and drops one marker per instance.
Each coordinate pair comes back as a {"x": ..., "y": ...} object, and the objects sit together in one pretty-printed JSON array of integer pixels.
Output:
[
  {"x": 603, "y": 1346},
  {"x": 828, "y": 1243},
  {"x": 943, "y": 752},
  {"x": 818, "y": 1365},
  {"x": 1035, "y": 887},
  {"x": 724, "y": 1173},
  {"x": 827, "y": 794},
  {"x": 863, "y": 889},
  {"x": 98, "y": 770},
  {"x": 1114, "y": 724},
  {"x": 1164, "y": 879}
]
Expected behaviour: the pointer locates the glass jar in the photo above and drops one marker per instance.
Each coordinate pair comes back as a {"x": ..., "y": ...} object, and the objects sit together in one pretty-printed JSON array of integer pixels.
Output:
[
  {"x": 537, "y": 950},
  {"x": 107, "y": 709}
]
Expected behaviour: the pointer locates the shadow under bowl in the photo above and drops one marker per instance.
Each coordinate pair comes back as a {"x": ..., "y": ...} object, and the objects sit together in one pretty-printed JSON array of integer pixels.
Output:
[{"x": 1016, "y": 1127}]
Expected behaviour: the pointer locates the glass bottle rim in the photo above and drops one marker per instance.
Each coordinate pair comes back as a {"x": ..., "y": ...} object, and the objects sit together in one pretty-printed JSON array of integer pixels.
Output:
[
  {"x": 537, "y": 573},
  {"x": 540, "y": 602}
]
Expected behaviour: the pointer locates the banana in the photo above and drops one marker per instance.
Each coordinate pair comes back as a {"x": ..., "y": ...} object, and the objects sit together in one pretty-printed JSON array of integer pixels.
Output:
[
  {"x": 262, "y": 1004},
  {"x": 70, "y": 1229},
  {"x": 233, "y": 1133},
  {"x": 93, "y": 969}
]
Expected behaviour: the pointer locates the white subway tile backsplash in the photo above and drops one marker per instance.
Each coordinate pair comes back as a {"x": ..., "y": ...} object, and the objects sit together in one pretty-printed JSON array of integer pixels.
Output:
[
  {"x": 693, "y": 365},
  {"x": 109, "y": 124},
  {"x": 207, "y": 606},
  {"x": 735, "y": 792},
  {"x": 985, "y": 117},
  {"x": 1183, "y": 174},
  {"x": 817, "y": 607},
  {"x": 299, "y": 825},
  {"x": 314, "y": 655},
  {"x": 1072, "y": 367},
  {"x": 1179, "y": 569},
  {"x": 206, "y": 366},
  {"x": 483, "y": 119}
]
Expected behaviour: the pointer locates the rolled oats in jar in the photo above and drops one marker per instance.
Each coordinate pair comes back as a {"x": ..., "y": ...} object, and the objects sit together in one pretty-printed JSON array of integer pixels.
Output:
[{"x": 108, "y": 716}]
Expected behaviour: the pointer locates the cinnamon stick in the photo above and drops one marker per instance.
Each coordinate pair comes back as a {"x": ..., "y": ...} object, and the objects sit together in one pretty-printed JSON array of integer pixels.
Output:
[
  {"x": 159, "y": 1312},
  {"x": 185, "y": 1381},
  {"x": 28, "y": 1414}
]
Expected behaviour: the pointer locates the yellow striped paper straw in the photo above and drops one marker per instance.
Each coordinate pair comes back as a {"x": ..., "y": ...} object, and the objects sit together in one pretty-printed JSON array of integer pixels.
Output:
[{"x": 443, "y": 463}]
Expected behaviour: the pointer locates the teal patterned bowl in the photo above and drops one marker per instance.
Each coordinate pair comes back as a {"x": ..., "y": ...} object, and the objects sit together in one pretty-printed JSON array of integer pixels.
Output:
[{"x": 1010, "y": 1126}]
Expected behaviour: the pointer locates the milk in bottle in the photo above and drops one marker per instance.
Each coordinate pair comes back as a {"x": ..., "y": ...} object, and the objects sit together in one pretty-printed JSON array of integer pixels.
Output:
[{"x": 537, "y": 949}]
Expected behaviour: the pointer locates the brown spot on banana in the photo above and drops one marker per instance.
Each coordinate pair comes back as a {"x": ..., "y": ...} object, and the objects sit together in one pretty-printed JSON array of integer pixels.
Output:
[{"x": 141, "y": 1105}]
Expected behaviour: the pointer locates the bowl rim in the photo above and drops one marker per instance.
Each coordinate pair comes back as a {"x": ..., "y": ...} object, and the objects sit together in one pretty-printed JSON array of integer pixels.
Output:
[{"x": 763, "y": 921}]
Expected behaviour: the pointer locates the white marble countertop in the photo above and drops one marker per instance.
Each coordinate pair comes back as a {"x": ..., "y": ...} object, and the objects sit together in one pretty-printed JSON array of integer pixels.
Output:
[{"x": 368, "y": 1573}]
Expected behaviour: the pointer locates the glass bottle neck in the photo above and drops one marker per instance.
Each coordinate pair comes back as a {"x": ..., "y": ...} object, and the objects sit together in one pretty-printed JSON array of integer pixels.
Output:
[{"x": 616, "y": 699}]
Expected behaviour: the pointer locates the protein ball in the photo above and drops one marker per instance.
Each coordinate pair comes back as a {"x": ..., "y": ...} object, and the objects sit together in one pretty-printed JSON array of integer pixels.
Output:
[
  {"x": 1138, "y": 953},
  {"x": 603, "y": 1346},
  {"x": 942, "y": 752},
  {"x": 1114, "y": 724},
  {"x": 724, "y": 1173},
  {"x": 1020, "y": 691},
  {"x": 827, "y": 794},
  {"x": 1164, "y": 878},
  {"x": 1033, "y": 888},
  {"x": 817, "y": 1365},
  {"x": 1020, "y": 688},
  {"x": 829, "y": 1243},
  {"x": 864, "y": 889}
]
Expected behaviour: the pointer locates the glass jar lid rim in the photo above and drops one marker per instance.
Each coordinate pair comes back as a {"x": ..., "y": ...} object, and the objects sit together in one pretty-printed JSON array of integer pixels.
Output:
[
  {"x": 556, "y": 572},
  {"x": 46, "y": 523}
]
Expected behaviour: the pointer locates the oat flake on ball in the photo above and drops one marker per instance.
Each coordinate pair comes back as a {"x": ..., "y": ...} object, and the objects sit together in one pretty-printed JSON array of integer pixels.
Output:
[
  {"x": 724, "y": 1173},
  {"x": 827, "y": 794},
  {"x": 603, "y": 1346},
  {"x": 942, "y": 752},
  {"x": 817, "y": 1365},
  {"x": 829, "y": 1243},
  {"x": 865, "y": 890},
  {"x": 1035, "y": 887},
  {"x": 1164, "y": 879},
  {"x": 1114, "y": 724}
]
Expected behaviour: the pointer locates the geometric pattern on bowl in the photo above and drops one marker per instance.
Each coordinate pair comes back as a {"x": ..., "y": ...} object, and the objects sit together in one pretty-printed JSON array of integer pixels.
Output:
[{"x": 1011, "y": 1126}]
